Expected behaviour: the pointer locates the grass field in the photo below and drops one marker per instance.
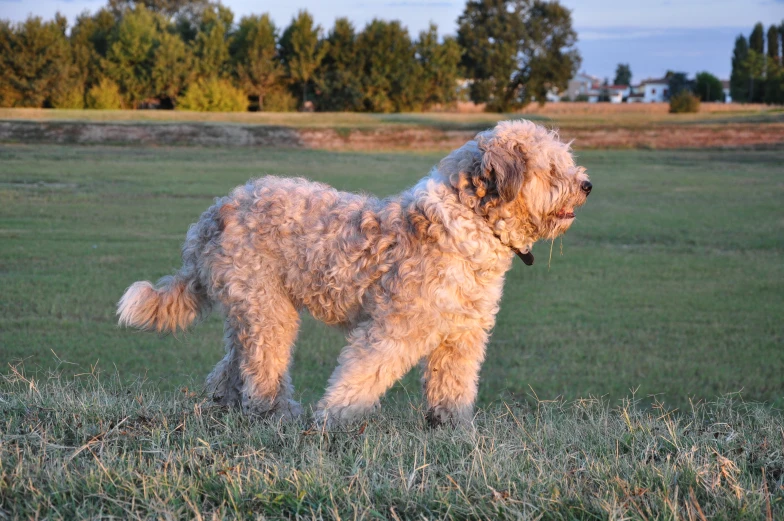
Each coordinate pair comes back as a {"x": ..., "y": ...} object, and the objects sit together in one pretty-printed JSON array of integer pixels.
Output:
[{"x": 671, "y": 281}]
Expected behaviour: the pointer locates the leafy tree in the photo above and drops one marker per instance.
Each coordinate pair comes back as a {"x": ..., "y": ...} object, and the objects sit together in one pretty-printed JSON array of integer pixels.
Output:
[
  {"x": 35, "y": 60},
  {"x": 754, "y": 64},
  {"x": 90, "y": 37},
  {"x": 389, "y": 70},
  {"x": 440, "y": 64},
  {"x": 339, "y": 78},
  {"x": 168, "y": 8},
  {"x": 131, "y": 56},
  {"x": 516, "y": 50},
  {"x": 255, "y": 56},
  {"x": 773, "y": 45},
  {"x": 623, "y": 74},
  {"x": 708, "y": 87},
  {"x": 678, "y": 82},
  {"x": 757, "y": 39},
  {"x": 210, "y": 44},
  {"x": 172, "y": 68},
  {"x": 739, "y": 78},
  {"x": 300, "y": 50}
]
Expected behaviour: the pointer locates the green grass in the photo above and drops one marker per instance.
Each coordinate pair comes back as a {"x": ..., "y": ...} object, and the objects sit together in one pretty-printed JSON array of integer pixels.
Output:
[
  {"x": 671, "y": 280},
  {"x": 92, "y": 448}
]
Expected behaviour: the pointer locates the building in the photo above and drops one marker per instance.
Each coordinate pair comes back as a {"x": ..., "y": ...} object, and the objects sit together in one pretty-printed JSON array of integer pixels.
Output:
[
  {"x": 617, "y": 93},
  {"x": 584, "y": 86},
  {"x": 725, "y": 86},
  {"x": 653, "y": 91}
]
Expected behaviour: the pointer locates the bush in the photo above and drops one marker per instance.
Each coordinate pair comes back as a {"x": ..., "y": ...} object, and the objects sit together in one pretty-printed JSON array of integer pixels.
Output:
[
  {"x": 279, "y": 100},
  {"x": 684, "y": 102},
  {"x": 105, "y": 96},
  {"x": 69, "y": 97},
  {"x": 213, "y": 95}
]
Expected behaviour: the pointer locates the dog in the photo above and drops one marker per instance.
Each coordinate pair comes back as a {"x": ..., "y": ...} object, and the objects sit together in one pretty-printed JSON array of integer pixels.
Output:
[{"x": 414, "y": 277}]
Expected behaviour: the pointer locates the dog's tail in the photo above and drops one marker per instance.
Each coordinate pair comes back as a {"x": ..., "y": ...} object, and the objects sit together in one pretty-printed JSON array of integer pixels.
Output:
[{"x": 173, "y": 303}]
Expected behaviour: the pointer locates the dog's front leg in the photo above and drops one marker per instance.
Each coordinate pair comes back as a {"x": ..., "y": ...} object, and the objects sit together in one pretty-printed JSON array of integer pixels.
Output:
[
  {"x": 378, "y": 355},
  {"x": 451, "y": 376}
]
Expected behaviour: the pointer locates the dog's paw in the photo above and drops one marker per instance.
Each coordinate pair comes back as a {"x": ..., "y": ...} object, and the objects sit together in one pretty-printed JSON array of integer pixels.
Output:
[{"x": 439, "y": 416}]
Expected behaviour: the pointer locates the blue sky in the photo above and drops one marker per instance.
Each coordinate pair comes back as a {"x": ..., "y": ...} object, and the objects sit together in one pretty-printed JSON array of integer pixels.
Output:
[{"x": 651, "y": 35}]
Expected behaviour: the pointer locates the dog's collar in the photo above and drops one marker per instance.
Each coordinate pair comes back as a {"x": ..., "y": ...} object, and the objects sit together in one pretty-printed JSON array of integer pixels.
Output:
[{"x": 525, "y": 255}]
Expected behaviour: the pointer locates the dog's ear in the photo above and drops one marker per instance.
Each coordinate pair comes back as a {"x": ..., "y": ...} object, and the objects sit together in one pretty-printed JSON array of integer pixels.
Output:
[{"x": 504, "y": 168}]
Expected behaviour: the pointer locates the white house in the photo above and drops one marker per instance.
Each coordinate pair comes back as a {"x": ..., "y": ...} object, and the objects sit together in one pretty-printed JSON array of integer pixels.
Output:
[
  {"x": 617, "y": 93},
  {"x": 584, "y": 85},
  {"x": 653, "y": 90},
  {"x": 725, "y": 85}
]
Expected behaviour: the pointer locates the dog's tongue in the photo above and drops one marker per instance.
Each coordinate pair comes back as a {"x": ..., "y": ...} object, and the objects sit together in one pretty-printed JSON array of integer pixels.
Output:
[{"x": 527, "y": 257}]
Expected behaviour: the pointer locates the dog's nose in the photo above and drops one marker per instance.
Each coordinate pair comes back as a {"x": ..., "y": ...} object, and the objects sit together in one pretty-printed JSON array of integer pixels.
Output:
[{"x": 586, "y": 186}]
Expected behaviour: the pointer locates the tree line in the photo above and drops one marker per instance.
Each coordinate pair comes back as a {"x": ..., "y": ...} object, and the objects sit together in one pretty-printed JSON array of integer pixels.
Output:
[
  {"x": 192, "y": 54},
  {"x": 757, "y": 68}
]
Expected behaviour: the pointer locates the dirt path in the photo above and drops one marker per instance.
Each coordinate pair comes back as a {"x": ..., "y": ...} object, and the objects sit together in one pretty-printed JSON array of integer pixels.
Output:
[{"x": 659, "y": 136}]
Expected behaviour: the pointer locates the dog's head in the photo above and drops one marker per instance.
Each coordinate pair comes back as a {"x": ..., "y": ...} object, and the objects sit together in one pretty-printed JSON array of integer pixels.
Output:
[{"x": 522, "y": 179}]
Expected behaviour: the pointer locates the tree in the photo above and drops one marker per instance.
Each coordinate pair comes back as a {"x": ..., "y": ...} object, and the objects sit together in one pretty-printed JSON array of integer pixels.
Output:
[
  {"x": 757, "y": 39},
  {"x": 773, "y": 45},
  {"x": 168, "y": 8},
  {"x": 739, "y": 78},
  {"x": 131, "y": 56},
  {"x": 339, "y": 76},
  {"x": 516, "y": 50},
  {"x": 172, "y": 69},
  {"x": 90, "y": 37},
  {"x": 754, "y": 64},
  {"x": 300, "y": 50},
  {"x": 389, "y": 70},
  {"x": 255, "y": 56},
  {"x": 708, "y": 87},
  {"x": 623, "y": 74},
  {"x": 210, "y": 45},
  {"x": 678, "y": 82},
  {"x": 440, "y": 64},
  {"x": 35, "y": 60}
]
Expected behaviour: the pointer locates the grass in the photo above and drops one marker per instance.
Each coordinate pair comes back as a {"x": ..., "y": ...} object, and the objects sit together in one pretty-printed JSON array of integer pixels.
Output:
[
  {"x": 570, "y": 115},
  {"x": 97, "y": 448},
  {"x": 671, "y": 281}
]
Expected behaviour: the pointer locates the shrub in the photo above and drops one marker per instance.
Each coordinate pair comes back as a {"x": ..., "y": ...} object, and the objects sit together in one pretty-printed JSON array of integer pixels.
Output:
[
  {"x": 68, "y": 98},
  {"x": 279, "y": 100},
  {"x": 104, "y": 96},
  {"x": 685, "y": 101},
  {"x": 213, "y": 95}
]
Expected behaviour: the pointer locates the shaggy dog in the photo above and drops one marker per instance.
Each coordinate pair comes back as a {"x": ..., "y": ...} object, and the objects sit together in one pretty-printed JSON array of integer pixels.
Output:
[{"x": 417, "y": 276}]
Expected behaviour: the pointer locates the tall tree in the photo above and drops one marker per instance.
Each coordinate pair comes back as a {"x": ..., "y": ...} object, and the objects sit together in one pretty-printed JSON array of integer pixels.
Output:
[
  {"x": 339, "y": 77},
  {"x": 90, "y": 37},
  {"x": 390, "y": 72},
  {"x": 255, "y": 56},
  {"x": 708, "y": 87},
  {"x": 167, "y": 8},
  {"x": 301, "y": 51},
  {"x": 131, "y": 55},
  {"x": 210, "y": 45},
  {"x": 440, "y": 64},
  {"x": 739, "y": 78},
  {"x": 757, "y": 38},
  {"x": 35, "y": 60},
  {"x": 623, "y": 74},
  {"x": 773, "y": 45},
  {"x": 516, "y": 50},
  {"x": 172, "y": 69}
]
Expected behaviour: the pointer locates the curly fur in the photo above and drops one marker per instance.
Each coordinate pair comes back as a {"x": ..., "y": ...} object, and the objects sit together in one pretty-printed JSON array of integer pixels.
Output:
[{"x": 415, "y": 277}]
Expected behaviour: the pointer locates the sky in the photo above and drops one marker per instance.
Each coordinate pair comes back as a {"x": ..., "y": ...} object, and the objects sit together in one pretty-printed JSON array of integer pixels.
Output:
[{"x": 652, "y": 36}]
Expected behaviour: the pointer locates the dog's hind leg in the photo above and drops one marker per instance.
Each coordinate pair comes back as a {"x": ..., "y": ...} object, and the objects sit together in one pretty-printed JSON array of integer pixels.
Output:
[
  {"x": 265, "y": 333},
  {"x": 224, "y": 383},
  {"x": 451, "y": 376}
]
